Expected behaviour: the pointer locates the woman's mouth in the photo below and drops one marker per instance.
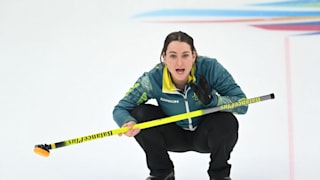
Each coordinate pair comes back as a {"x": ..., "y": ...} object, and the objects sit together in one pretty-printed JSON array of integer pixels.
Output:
[{"x": 180, "y": 71}]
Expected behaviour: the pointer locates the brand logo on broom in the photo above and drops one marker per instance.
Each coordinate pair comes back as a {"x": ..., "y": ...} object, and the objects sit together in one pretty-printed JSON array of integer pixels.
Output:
[
  {"x": 89, "y": 138},
  {"x": 299, "y": 16}
]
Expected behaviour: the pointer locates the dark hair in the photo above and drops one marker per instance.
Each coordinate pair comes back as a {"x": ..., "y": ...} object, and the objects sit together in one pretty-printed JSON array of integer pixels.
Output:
[{"x": 177, "y": 36}]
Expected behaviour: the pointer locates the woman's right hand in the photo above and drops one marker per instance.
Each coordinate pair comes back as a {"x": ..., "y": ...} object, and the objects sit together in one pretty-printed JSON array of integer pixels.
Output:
[{"x": 132, "y": 131}]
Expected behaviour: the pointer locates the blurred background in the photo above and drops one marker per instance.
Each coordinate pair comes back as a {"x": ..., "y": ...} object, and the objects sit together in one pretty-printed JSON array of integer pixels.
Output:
[{"x": 65, "y": 64}]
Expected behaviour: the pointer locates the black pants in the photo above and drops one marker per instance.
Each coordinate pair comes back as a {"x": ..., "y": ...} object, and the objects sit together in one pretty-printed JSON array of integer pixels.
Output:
[{"x": 216, "y": 134}]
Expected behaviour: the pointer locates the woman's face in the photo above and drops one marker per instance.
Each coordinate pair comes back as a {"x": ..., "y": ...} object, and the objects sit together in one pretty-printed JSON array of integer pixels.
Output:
[{"x": 179, "y": 59}]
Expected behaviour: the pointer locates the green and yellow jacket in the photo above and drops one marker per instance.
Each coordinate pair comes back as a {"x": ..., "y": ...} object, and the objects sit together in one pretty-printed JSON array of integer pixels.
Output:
[{"x": 157, "y": 84}]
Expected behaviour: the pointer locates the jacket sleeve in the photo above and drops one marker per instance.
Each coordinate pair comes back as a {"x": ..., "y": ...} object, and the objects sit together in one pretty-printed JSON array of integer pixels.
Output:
[
  {"x": 225, "y": 87},
  {"x": 138, "y": 94}
]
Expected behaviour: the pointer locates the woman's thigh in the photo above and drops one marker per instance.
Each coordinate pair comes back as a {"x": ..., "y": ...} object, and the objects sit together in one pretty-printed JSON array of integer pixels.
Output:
[{"x": 214, "y": 129}]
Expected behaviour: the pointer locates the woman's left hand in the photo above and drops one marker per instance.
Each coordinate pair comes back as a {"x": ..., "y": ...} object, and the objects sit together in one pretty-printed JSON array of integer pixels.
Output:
[{"x": 203, "y": 90}]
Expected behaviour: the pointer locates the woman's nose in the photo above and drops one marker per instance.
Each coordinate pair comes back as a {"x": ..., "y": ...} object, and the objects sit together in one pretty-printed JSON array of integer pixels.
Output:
[{"x": 179, "y": 61}]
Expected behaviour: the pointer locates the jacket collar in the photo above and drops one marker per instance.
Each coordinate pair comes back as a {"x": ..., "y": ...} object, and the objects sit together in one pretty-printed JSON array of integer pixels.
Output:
[{"x": 167, "y": 84}]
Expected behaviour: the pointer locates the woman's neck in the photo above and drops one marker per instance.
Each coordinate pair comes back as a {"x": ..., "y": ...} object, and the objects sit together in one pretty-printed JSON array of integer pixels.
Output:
[{"x": 179, "y": 84}]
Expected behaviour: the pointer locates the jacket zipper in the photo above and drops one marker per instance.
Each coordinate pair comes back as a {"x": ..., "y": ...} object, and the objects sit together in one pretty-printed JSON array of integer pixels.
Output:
[{"x": 185, "y": 95}]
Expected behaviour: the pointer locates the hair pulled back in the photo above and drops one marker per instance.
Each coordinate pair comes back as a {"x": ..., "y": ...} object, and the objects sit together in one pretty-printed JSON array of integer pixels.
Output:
[{"x": 177, "y": 36}]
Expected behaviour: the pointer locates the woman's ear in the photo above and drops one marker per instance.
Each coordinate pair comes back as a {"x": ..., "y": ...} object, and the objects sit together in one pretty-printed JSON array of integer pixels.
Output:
[
  {"x": 194, "y": 54},
  {"x": 163, "y": 57}
]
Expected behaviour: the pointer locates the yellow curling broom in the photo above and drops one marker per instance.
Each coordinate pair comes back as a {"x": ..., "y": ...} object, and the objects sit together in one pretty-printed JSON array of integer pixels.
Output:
[{"x": 44, "y": 149}]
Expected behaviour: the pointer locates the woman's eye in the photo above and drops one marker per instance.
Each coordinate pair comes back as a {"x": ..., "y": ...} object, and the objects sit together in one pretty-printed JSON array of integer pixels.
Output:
[
  {"x": 173, "y": 56},
  {"x": 185, "y": 55}
]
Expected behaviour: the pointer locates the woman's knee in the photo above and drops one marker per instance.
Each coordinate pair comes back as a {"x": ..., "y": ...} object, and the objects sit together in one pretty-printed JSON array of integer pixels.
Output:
[
  {"x": 231, "y": 120},
  {"x": 146, "y": 112},
  {"x": 223, "y": 123}
]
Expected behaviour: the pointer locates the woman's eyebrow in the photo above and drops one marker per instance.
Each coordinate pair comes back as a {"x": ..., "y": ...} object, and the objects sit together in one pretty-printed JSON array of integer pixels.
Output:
[{"x": 184, "y": 52}]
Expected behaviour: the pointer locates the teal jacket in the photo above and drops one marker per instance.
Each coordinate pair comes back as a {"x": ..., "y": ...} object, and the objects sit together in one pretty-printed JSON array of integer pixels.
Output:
[{"x": 157, "y": 84}]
